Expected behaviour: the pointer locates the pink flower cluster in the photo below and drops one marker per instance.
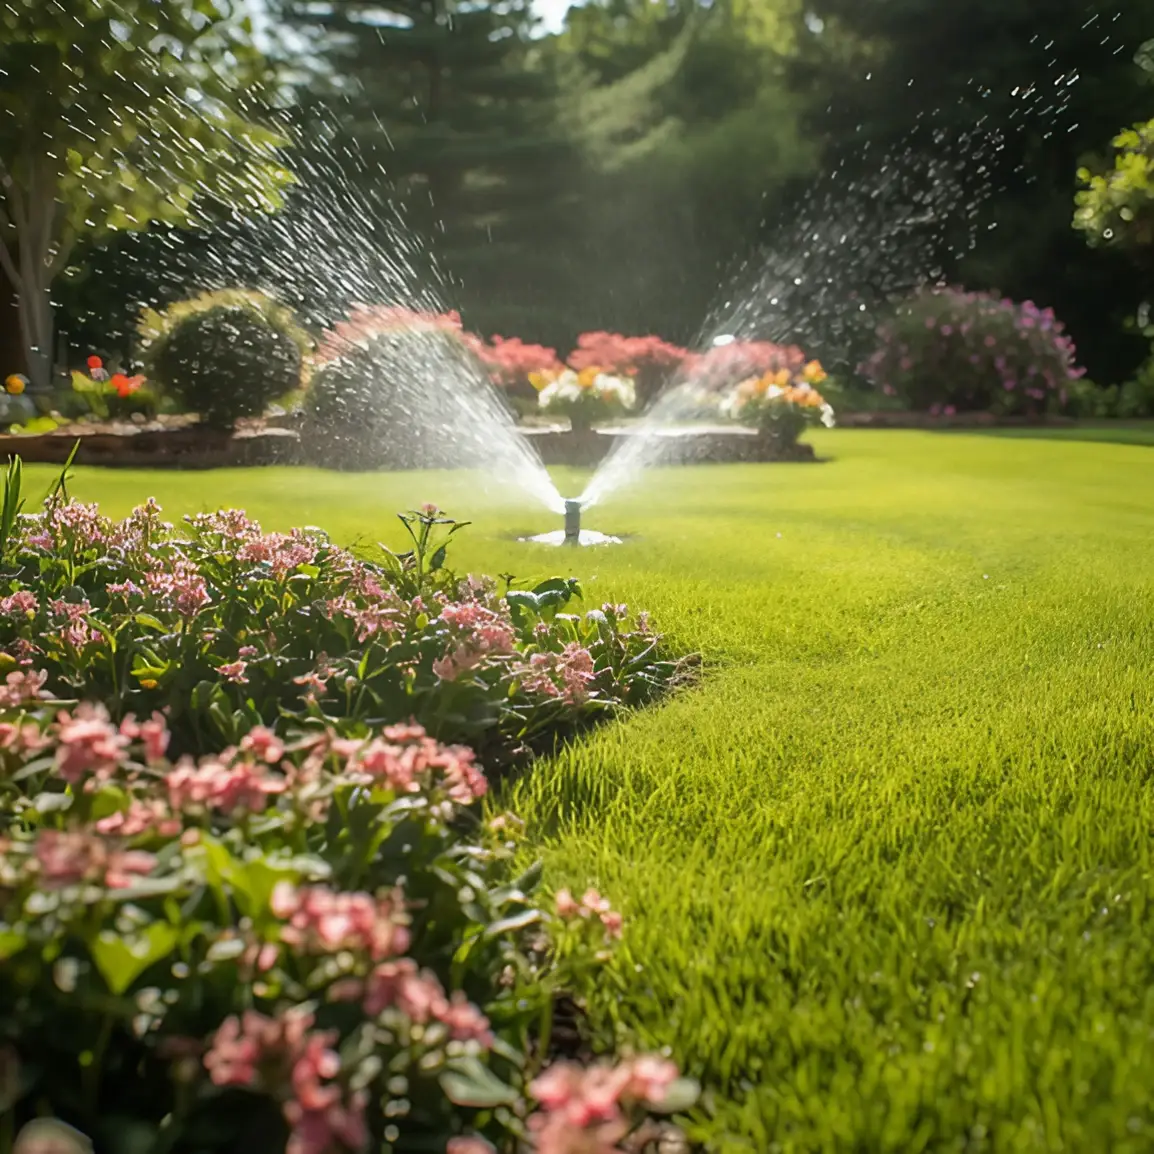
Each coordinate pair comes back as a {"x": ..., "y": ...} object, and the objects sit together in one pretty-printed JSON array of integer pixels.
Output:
[
  {"x": 66, "y": 858},
  {"x": 180, "y": 588},
  {"x": 296, "y": 1064},
  {"x": 725, "y": 365},
  {"x": 479, "y": 634},
  {"x": 21, "y": 687},
  {"x": 407, "y": 760},
  {"x": 418, "y": 995},
  {"x": 319, "y": 920},
  {"x": 567, "y": 675},
  {"x": 587, "y": 1111},
  {"x": 367, "y": 322},
  {"x": 628, "y": 355},
  {"x": 281, "y": 553},
  {"x": 592, "y": 905},
  {"x": 511, "y": 360}
]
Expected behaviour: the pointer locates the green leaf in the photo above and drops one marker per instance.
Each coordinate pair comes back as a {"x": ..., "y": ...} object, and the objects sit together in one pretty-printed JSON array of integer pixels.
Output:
[
  {"x": 52, "y": 802},
  {"x": 470, "y": 1083},
  {"x": 438, "y": 559},
  {"x": 121, "y": 959},
  {"x": 513, "y": 923},
  {"x": 11, "y": 942}
]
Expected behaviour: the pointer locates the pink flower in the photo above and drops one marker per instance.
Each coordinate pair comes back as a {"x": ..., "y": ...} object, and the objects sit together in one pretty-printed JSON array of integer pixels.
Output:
[
  {"x": 19, "y": 688},
  {"x": 567, "y": 906},
  {"x": 152, "y": 733},
  {"x": 142, "y": 816},
  {"x": 234, "y": 672},
  {"x": 89, "y": 744},
  {"x": 263, "y": 744},
  {"x": 222, "y": 785},
  {"x": 287, "y": 1059},
  {"x": 20, "y": 604},
  {"x": 323, "y": 921},
  {"x": 470, "y": 1145},
  {"x": 66, "y": 859}
]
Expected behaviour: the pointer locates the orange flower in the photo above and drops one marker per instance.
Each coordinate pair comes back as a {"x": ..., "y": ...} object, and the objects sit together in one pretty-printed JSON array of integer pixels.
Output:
[{"x": 125, "y": 386}]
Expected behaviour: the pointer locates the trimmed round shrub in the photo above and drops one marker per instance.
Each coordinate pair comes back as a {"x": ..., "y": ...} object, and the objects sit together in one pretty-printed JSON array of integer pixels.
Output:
[
  {"x": 225, "y": 355},
  {"x": 947, "y": 350}
]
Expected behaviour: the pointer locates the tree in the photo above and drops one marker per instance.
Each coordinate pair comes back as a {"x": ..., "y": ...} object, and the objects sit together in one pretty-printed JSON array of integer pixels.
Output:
[
  {"x": 689, "y": 134},
  {"x": 1016, "y": 92},
  {"x": 1116, "y": 205},
  {"x": 113, "y": 117},
  {"x": 452, "y": 102}
]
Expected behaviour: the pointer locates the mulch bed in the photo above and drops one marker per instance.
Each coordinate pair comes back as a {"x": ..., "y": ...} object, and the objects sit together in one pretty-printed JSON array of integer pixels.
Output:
[{"x": 179, "y": 443}]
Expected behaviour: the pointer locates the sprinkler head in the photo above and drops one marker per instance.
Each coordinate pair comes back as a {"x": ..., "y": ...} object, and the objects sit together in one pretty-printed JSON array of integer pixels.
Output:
[{"x": 572, "y": 522}]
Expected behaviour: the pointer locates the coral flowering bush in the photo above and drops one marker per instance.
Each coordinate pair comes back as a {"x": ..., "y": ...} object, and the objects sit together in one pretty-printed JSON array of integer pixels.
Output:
[
  {"x": 511, "y": 362},
  {"x": 365, "y": 323},
  {"x": 947, "y": 350},
  {"x": 377, "y": 394},
  {"x": 586, "y": 397},
  {"x": 300, "y": 942},
  {"x": 230, "y": 627}
]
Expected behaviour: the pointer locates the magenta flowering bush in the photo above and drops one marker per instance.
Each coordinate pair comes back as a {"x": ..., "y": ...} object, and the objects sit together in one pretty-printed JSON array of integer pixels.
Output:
[
  {"x": 228, "y": 627},
  {"x": 947, "y": 350},
  {"x": 304, "y": 941}
]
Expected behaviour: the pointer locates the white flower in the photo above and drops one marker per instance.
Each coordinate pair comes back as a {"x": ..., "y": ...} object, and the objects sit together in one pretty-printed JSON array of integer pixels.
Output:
[
  {"x": 568, "y": 390},
  {"x": 827, "y": 416}
]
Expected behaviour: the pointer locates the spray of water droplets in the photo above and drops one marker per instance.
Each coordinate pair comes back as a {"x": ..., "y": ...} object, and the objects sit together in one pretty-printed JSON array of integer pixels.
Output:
[{"x": 853, "y": 247}]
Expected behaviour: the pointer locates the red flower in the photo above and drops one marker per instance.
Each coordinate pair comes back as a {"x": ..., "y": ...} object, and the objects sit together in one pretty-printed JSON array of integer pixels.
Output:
[{"x": 95, "y": 363}]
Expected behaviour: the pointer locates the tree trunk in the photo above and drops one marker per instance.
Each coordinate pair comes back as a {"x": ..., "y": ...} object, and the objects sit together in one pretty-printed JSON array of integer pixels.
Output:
[
  {"x": 31, "y": 265},
  {"x": 12, "y": 358},
  {"x": 34, "y": 305}
]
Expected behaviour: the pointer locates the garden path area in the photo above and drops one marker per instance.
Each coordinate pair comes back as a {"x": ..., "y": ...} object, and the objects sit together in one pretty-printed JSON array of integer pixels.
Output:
[{"x": 887, "y": 869}]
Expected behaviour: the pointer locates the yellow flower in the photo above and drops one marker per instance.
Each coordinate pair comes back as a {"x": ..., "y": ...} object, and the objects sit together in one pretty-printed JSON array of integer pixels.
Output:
[
  {"x": 781, "y": 378},
  {"x": 540, "y": 380},
  {"x": 15, "y": 385},
  {"x": 586, "y": 377},
  {"x": 814, "y": 373},
  {"x": 147, "y": 683}
]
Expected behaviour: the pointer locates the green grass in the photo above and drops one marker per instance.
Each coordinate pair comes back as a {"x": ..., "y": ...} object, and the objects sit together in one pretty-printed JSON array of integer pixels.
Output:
[
  {"x": 1111, "y": 432},
  {"x": 888, "y": 868}
]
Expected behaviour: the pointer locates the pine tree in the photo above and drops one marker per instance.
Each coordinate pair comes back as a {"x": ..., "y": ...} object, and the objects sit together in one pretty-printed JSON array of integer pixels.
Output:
[{"x": 453, "y": 102}]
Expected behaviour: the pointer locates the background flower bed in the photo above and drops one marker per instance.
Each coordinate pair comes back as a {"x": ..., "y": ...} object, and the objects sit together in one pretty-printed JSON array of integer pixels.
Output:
[{"x": 241, "y": 881}]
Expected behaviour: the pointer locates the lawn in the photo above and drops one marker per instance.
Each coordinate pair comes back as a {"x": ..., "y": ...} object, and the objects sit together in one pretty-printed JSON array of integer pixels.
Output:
[{"x": 887, "y": 868}]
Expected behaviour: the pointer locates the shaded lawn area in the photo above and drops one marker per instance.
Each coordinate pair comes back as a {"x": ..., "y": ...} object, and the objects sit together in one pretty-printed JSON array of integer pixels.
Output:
[
  {"x": 887, "y": 869},
  {"x": 1109, "y": 432}
]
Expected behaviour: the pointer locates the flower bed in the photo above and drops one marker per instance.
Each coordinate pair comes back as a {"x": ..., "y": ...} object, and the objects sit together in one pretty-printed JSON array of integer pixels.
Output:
[{"x": 247, "y": 896}]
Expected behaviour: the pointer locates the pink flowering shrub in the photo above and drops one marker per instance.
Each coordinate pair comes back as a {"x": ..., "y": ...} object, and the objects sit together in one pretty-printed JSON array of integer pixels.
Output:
[
  {"x": 510, "y": 362},
  {"x": 651, "y": 361},
  {"x": 722, "y": 367},
  {"x": 380, "y": 371},
  {"x": 302, "y": 942},
  {"x": 949, "y": 351},
  {"x": 229, "y": 628}
]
